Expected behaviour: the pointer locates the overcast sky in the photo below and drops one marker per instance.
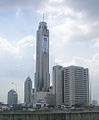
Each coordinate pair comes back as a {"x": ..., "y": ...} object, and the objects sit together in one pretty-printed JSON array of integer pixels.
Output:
[{"x": 74, "y": 39}]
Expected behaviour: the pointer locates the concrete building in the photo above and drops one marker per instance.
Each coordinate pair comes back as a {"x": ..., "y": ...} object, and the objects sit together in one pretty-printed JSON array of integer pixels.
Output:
[
  {"x": 71, "y": 85},
  {"x": 76, "y": 85},
  {"x": 50, "y": 99},
  {"x": 12, "y": 98},
  {"x": 27, "y": 90},
  {"x": 57, "y": 84},
  {"x": 42, "y": 98},
  {"x": 39, "y": 98},
  {"x": 42, "y": 77}
]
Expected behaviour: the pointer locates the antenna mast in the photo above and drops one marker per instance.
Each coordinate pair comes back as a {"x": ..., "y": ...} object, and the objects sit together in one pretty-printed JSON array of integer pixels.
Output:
[{"x": 43, "y": 17}]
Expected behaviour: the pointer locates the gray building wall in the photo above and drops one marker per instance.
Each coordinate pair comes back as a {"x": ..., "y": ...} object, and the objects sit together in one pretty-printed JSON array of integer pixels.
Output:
[
  {"x": 51, "y": 99},
  {"x": 58, "y": 84}
]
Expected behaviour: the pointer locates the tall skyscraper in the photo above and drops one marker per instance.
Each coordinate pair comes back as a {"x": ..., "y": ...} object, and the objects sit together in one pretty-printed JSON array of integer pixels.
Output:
[
  {"x": 12, "y": 98},
  {"x": 57, "y": 84},
  {"x": 76, "y": 85},
  {"x": 27, "y": 90},
  {"x": 42, "y": 77}
]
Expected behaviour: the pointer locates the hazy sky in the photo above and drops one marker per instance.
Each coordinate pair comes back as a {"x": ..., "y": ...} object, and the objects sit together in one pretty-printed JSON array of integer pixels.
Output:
[{"x": 74, "y": 39}]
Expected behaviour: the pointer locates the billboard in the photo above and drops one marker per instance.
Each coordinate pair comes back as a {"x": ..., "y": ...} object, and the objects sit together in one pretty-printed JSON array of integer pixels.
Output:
[{"x": 45, "y": 44}]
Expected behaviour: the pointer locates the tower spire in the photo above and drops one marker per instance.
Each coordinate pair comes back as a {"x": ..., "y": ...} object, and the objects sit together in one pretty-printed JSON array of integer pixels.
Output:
[{"x": 43, "y": 17}]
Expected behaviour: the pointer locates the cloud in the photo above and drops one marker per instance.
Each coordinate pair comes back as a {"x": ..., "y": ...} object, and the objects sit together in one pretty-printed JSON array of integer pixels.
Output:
[
  {"x": 6, "y": 5},
  {"x": 97, "y": 42},
  {"x": 18, "y": 11},
  {"x": 15, "y": 57},
  {"x": 89, "y": 7},
  {"x": 78, "y": 7},
  {"x": 12, "y": 3},
  {"x": 72, "y": 32},
  {"x": 26, "y": 41}
]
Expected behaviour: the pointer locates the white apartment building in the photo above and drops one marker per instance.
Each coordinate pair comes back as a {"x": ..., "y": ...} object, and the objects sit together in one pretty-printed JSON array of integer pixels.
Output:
[{"x": 76, "y": 85}]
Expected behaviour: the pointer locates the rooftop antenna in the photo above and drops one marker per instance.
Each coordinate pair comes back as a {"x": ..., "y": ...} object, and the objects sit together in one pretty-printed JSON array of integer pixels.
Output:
[
  {"x": 90, "y": 93},
  {"x": 43, "y": 17}
]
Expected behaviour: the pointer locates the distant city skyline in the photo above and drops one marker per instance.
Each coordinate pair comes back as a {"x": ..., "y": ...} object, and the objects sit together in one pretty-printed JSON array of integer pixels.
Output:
[{"x": 74, "y": 40}]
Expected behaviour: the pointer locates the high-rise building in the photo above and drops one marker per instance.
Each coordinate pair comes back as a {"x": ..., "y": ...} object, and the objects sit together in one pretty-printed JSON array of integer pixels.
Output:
[
  {"x": 12, "y": 98},
  {"x": 57, "y": 84},
  {"x": 71, "y": 85},
  {"x": 42, "y": 77},
  {"x": 27, "y": 90},
  {"x": 76, "y": 85}
]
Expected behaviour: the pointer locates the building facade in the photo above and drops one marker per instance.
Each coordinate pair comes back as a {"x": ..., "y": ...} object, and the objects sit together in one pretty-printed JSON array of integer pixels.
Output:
[
  {"x": 27, "y": 90},
  {"x": 58, "y": 84},
  {"x": 71, "y": 85},
  {"x": 12, "y": 98},
  {"x": 42, "y": 77},
  {"x": 76, "y": 85}
]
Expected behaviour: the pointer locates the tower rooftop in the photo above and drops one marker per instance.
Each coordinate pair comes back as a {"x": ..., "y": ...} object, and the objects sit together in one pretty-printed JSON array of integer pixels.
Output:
[{"x": 42, "y": 23}]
